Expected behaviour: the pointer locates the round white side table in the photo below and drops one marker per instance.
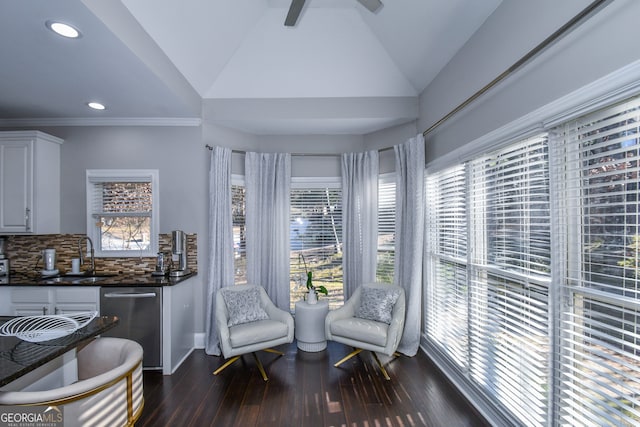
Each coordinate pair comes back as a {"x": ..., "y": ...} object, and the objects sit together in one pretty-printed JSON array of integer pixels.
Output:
[{"x": 309, "y": 327}]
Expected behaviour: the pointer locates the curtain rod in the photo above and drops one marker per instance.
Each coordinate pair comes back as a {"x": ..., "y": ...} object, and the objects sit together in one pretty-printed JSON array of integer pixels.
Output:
[
  {"x": 578, "y": 19},
  {"x": 210, "y": 147}
]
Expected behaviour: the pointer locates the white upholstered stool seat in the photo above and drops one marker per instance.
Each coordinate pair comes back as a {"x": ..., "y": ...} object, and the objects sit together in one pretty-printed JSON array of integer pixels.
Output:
[{"x": 109, "y": 389}]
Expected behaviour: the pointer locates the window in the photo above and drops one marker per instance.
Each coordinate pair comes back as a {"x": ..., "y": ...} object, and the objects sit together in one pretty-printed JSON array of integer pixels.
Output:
[
  {"x": 509, "y": 277},
  {"x": 386, "y": 227},
  {"x": 532, "y": 286},
  {"x": 447, "y": 313},
  {"x": 600, "y": 293},
  {"x": 122, "y": 212},
  {"x": 316, "y": 237},
  {"x": 238, "y": 206},
  {"x": 489, "y": 269}
]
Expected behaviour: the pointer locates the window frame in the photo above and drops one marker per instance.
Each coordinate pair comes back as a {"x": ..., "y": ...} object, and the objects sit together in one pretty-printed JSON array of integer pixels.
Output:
[{"x": 94, "y": 176}]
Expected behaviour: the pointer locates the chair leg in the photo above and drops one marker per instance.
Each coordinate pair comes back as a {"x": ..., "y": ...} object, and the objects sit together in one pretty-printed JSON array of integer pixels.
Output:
[
  {"x": 259, "y": 363},
  {"x": 226, "y": 364},
  {"x": 270, "y": 350},
  {"x": 348, "y": 356},
  {"x": 260, "y": 367},
  {"x": 255, "y": 356},
  {"x": 375, "y": 356},
  {"x": 384, "y": 371}
]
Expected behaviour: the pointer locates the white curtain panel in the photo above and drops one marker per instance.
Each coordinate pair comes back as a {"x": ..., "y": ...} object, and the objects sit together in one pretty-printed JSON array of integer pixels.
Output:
[
  {"x": 359, "y": 219},
  {"x": 267, "y": 183},
  {"x": 410, "y": 208},
  {"x": 220, "y": 241}
]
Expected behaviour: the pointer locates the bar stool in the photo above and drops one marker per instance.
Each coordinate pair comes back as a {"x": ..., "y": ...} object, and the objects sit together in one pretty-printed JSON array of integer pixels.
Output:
[{"x": 109, "y": 390}]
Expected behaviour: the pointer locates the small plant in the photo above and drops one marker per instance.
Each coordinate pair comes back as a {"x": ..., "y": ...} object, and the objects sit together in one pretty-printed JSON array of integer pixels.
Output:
[{"x": 310, "y": 286}]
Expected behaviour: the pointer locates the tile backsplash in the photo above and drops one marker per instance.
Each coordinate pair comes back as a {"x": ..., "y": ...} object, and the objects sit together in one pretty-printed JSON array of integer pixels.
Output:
[{"x": 24, "y": 253}]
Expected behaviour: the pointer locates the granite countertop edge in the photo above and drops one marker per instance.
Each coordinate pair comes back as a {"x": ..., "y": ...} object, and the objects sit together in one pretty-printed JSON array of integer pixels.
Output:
[{"x": 124, "y": 279}]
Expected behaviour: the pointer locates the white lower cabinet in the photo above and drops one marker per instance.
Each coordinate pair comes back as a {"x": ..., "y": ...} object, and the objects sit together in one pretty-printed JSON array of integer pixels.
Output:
[
  {"x": 35, "y": 301},
  {"x": 31, "y": 301},
  {"x": 76, "y": 299}
]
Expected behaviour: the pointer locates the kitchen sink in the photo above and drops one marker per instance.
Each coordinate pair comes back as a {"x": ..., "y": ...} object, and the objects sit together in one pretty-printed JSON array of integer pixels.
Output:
[{"x": 75, "y": 279}]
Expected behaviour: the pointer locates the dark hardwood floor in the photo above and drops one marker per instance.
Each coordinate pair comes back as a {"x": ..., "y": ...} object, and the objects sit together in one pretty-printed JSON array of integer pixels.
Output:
[{"x": 304, "y": 389}]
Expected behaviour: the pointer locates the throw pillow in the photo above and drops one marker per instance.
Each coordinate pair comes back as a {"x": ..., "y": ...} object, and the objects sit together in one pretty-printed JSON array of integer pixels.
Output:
[
  {"x": 243, "y": 306},
  {"x": 377, "y": 304}
]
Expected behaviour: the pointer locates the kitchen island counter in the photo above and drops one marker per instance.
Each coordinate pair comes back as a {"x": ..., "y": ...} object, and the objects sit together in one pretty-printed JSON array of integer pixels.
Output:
[{"x": 18, "y": 357}]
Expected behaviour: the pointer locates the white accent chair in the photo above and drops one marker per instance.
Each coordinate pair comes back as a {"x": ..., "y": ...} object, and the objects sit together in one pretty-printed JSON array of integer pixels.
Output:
[
  {"x": 109, "y": 390},
  {"x": 253, "y": 336},
  {"x": 343, "y": 326}
]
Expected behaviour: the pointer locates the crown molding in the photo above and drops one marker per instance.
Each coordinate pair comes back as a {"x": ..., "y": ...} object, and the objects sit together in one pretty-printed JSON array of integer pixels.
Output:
[
  {"x": 112, "y": 121},
  {"x": 33, "y": 134}
]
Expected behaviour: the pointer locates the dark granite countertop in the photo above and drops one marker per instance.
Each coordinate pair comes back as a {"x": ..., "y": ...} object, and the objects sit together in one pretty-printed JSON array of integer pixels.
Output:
[
  {"x": 18, "y": 357},
  {"x": 139, "y": 280}
]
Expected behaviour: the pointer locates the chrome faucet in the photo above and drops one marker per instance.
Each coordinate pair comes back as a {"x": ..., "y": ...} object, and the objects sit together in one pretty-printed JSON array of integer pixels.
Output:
[{"x": 93, "y": 258}]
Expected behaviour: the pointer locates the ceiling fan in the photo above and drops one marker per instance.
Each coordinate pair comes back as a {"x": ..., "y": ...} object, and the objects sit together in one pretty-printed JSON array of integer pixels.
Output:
[{"x": 297, "y": 5}]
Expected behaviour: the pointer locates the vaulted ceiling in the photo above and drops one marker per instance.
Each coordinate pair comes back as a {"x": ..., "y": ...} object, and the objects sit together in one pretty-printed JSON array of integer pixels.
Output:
[{"x": 341, "y": 69}]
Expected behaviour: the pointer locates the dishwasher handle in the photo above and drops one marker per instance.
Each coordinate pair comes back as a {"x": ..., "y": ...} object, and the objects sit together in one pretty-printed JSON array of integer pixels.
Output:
[{"x": 130, "y": 295}]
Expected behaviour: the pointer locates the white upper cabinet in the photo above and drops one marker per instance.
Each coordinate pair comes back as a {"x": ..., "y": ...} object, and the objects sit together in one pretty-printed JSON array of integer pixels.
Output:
[{"x": 29, "y": 183}]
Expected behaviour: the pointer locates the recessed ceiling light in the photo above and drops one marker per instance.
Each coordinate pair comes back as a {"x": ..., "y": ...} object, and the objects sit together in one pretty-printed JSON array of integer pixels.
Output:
[
  {"x": 65, "y": 30},
  {"x": 96, "y": 105}
]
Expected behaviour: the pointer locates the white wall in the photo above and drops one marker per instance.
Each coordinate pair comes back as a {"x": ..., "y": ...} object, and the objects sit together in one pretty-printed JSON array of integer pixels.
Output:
[
  {"x": 388, "y": 138},
  {"x": 602, "y": 45},
  {"x": 322, "y": 162},
  {"x": 179, "y": 155}
]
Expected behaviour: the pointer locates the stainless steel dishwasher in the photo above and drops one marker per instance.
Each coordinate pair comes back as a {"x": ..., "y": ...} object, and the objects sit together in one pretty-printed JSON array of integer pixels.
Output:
[{"x": 140, "y": 314}]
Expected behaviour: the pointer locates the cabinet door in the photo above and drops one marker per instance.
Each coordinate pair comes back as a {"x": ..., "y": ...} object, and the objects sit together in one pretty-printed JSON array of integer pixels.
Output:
[
  {"x": 31, "y": 309},
  {"x": 76, "y": 299},
  {"x": 30, "y": 301},
  {"x": 5, "y": 301},
  {"x": 16, "y": 186},
  {"x": 75, "y": 308}
]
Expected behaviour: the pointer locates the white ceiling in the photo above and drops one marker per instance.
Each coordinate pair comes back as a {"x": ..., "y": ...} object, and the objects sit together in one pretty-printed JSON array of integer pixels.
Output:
[{"x": 340, "y": 70}]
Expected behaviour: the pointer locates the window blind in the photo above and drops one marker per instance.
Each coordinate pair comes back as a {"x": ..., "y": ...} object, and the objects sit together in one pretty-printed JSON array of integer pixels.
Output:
[
  {"x": 488, "y": 257},
  {"x": 316, "y": 239},
  {"x": 509, "y": 278},
  {"x": 386, "y": 228},
  {"x": 238, "y": 215},
  {"x": 599, "y": 357},
  {"x": 122, "y": 211},
  {"x": 447, "y": 302},
  {"x": 122, "y": 199}
]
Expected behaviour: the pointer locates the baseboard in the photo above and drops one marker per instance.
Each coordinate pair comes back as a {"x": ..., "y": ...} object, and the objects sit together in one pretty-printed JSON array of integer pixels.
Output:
[{"x": 177, "y": 365}]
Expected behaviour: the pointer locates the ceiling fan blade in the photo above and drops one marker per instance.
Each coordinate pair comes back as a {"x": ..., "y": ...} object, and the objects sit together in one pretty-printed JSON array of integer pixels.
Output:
[
  {"x": 294, "y": 12},
  {"x": 372, "y": 5}
]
